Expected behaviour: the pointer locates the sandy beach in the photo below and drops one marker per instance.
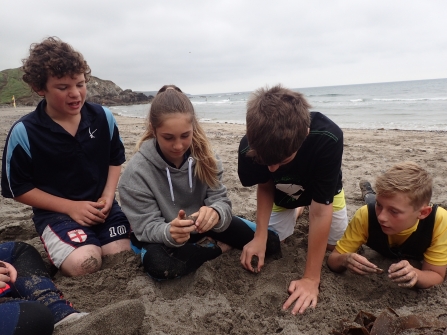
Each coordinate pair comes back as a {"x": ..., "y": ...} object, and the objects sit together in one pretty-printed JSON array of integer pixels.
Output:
[{"x": 221, "y": 297}]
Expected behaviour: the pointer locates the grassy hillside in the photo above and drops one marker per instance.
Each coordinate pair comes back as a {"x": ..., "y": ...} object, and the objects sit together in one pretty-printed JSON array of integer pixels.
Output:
[
  {"x": 99, "y": 91},
  {"x": 11, "y": 84}
]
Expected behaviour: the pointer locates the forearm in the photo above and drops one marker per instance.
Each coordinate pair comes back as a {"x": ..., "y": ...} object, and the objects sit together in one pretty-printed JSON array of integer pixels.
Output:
[
  {"x": 143, "y": 213},
  {"x": 265, "y": 196},
  {"x": 336, "y": 261},
  {"x": 320, "y": 217},
  {"x": 430, "y": 275},
  {"x": 43, "y": 200},
  {"x": 112, "y": 182},
  {"x": 427, "y": 279},
  {"x": 218, "y": 200}
]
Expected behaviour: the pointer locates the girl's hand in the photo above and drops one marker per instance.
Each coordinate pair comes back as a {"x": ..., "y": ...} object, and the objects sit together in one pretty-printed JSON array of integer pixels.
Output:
[
  {"x": 181, "y": 227},
  {"x": 359, "y": 264},
  {"x": 8, "y": 274},
  {"x": 403, "y": 273},
  {"x": 207, "y": 218}
]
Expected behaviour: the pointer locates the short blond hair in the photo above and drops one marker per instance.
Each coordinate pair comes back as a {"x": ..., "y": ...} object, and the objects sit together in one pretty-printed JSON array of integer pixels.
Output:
[{"x": 408, "y": 178}]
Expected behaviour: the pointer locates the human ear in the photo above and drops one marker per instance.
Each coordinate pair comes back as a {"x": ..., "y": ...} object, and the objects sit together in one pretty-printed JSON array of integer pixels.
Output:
[
  {"x": 41, "y": 93},
  {"x": 424, "y": 212}
]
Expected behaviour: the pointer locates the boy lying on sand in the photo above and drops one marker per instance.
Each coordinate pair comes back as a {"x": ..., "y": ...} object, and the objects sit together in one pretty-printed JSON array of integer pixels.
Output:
[{"x": 398, "y": 223}]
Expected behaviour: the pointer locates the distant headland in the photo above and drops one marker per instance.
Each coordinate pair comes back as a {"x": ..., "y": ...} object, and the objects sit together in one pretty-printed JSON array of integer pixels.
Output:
[{"x": 104, "y": 92}]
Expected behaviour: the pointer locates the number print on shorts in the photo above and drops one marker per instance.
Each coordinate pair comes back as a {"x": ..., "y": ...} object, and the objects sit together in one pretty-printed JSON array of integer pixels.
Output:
[{"x": 120, "y": 230}]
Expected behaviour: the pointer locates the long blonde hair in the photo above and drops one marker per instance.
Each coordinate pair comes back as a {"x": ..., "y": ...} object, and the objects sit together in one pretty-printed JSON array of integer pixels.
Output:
[{"x": 170, "y": 100}]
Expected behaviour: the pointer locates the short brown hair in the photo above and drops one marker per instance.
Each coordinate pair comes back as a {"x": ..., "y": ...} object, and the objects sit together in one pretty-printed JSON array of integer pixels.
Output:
[
  {"x": 52, "y": 57},
  {"x": 408, "y": 178},
  {"x": 278, "y": 122}
]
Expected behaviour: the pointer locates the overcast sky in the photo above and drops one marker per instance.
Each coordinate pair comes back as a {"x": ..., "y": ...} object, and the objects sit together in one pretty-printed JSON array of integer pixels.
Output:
[{"x": 239, "y": 45}]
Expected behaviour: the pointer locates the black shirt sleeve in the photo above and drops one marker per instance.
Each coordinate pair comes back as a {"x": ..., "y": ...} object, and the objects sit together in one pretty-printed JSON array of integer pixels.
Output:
[{"x": 250, "y": 173}]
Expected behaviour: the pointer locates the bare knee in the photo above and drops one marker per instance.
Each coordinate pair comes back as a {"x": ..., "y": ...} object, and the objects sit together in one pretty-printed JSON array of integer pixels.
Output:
[
  {"x": 116, "y": 247},
  {"x": 82, "y": 261}
]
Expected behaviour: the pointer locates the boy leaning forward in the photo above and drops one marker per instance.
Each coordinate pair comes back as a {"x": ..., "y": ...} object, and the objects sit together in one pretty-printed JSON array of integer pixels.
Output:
[
  {"x": 64, "y": 159},
  {"x": 294, "y": 157}
]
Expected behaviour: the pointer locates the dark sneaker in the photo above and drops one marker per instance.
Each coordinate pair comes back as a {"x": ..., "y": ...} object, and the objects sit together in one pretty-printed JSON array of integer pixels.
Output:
[{"x": 365, "y": 187}]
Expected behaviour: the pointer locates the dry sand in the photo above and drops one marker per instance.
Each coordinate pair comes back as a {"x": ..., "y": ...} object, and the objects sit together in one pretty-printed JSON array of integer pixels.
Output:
[{"x": 221, "y": 297}]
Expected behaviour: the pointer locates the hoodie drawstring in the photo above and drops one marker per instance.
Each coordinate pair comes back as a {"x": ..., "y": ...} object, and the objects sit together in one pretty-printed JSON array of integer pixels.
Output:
[
  {"x": 170, "y": 184},
  {"x": 190, "y": 160},
  {"x": 168, "y": 175}
]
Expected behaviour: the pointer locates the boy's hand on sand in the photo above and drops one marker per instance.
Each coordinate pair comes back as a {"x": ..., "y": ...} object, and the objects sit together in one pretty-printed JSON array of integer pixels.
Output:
[
  {"x": 86, "y": 213},
  {"x": 403, "y": 274},
  {"x": 207, "y": 218},
  {"x": 360, "y": 265},
  {"x": 8, "y": 274},
  {"x": 255, "y": 247},
  {"x": 305, "y": 292},
  {"x": 181, "y": 227}
]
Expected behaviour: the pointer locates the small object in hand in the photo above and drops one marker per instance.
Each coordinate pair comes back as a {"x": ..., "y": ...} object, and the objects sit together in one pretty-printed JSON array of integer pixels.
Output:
[
  {"x": 102, "y": 202},
  {"x": 379, "y": 270},
  {"x": 193, "y": 218},
  {"x": 254, "y": 263}
]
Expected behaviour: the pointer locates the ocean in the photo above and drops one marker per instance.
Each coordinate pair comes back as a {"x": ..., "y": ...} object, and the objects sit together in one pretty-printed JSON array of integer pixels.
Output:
[{"x": 406, "y": 105}]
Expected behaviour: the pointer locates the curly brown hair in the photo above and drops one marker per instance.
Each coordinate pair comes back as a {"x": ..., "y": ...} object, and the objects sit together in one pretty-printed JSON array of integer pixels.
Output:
[{"x": 52, "y": 57}]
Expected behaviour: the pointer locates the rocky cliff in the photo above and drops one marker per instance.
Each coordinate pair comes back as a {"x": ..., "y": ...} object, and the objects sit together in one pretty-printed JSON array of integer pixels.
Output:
[
  {"x": 101, "y": 91},
  {"x": 106, "y": 92}
]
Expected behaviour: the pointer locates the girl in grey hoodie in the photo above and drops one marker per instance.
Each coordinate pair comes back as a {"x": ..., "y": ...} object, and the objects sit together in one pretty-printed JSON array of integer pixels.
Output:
[{"x": 172, "y": 194}]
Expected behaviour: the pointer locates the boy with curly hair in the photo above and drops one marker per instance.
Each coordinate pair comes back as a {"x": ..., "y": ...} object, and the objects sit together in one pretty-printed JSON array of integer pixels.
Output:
[
  {"x": 401, "y": 224},
  {"x": 64, "y": 159},
  {"x": 294, "y": 157}
]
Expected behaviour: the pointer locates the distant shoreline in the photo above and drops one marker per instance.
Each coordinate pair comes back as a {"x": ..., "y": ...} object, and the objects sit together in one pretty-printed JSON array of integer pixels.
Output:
[{"x": 20, "y": 111}]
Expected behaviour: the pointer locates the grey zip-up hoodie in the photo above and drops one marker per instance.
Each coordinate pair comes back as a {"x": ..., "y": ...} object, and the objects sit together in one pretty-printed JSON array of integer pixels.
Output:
[{"x": 152, "y": 193}]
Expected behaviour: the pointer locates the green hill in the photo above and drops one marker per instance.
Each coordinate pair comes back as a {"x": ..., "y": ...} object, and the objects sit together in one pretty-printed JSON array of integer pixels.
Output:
[
  {"x": 11, "y": 84},
  {"x": 100, "y": 91}
]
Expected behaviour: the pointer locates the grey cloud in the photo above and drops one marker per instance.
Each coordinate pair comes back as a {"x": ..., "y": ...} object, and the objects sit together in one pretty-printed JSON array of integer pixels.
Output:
[{"x": 209, "y": 46}]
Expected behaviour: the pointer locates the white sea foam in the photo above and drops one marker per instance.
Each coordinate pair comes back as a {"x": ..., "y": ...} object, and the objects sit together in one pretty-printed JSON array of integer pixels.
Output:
[
  {"x": 417, "y": 99},
  {"x": 411, "y": 105}
]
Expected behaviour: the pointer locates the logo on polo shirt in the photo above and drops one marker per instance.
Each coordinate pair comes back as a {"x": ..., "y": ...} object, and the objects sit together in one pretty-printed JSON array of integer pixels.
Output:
[
  {"x": 291, "y": 190},
  {"x": 77, "y": 235},
  {"x": 91, "y": 133}
]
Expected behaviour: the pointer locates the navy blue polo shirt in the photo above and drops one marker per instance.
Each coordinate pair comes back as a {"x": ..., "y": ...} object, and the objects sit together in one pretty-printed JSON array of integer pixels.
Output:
[{"x": 39, "y": 153}]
